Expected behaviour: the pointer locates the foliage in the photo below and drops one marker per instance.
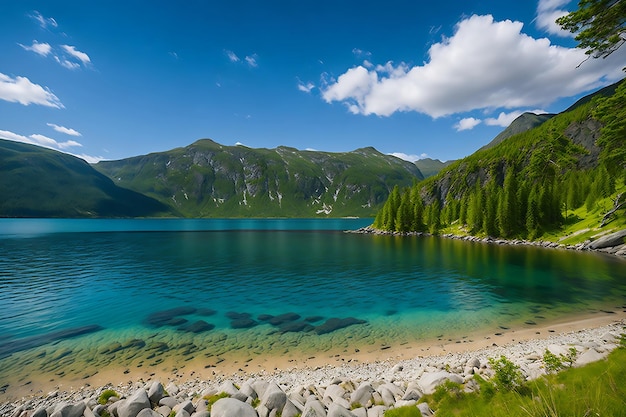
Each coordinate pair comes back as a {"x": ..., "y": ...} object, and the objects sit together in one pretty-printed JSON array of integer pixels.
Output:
[
  {"x": 406, "y": 411},
  {"x": 599, "y": 26},
  {"x": 212, "y": 399},
  {"x": 507, "y": 375},
  {"x": 593, "y": 390},
  {"x": 554, "y": 363},
  {"x": 105, "y": 395}
]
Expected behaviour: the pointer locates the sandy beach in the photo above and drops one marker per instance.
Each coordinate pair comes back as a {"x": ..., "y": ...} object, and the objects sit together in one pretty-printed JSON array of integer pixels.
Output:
[{"x": 377, "y": 363}]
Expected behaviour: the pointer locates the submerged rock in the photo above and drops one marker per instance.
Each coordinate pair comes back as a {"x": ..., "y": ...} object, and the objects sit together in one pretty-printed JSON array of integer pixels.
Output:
[
  {"x": 197, "y": 327},
  {"x": 283, "y": 318},
  {"x": 164, "y": 317},
  {"x": 295, "y": 327},
  {"x": 334, "y": 323},
  {"x": 243, "y": 323}
]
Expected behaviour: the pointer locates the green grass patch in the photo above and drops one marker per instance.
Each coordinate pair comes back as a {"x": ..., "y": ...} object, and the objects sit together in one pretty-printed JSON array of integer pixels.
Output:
[
  {"x": 105, "y": 395},
  {"x": 597, "y": 389},
  {"x": 406, "y": 411},
  {"x": 212, "y": 399}
]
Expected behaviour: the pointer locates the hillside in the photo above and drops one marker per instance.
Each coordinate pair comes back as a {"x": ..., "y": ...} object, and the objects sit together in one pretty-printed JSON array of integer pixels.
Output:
[
  {"x": 206, "y": 179},
  {"x": 39, "y": 182},
  {"x": 430, "y": 167},
  {"x": 558, "y": 178},
  {"x": 521, "y": 124}
]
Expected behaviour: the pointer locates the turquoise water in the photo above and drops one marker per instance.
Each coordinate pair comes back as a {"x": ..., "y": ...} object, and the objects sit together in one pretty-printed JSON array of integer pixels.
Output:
[{"x": 118, "y": 275}]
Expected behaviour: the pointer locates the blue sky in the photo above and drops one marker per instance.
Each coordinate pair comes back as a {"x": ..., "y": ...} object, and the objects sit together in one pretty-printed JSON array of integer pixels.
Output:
[{"x": 114, "y": 79}]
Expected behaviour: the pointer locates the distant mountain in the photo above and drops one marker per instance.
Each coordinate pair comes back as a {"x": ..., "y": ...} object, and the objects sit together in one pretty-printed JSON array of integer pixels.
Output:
[
  {"x": 206, "y": 179},
  {"x": 39, "y": 182},
  {"x": 430, "y": 167},
  {"x": 521, "y": 124}
]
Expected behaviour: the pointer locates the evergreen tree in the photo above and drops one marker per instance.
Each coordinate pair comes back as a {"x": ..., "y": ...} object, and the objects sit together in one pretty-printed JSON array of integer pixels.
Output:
[
  {"x": 533, "y": 213},
  {"x": 507, "y": 205},
  {"x": 433, "y": 215}
]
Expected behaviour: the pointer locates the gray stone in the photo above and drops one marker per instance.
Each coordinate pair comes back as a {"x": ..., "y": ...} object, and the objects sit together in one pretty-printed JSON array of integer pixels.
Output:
[
  {"x": 387, "y": 396},
  {"x": 473, "y": 363},
  {"x": 40, "y": 412},
  {"x": 404, "y": 403},
  {"x": 164, "y": 410},
  {"x": 425, "y": 409},
  {"x": 112, "y": 409},
  {"x": 360, "y": 412},
  {"x": 147, "y": 412},
  {"x": 172, "y": 389},
  {"x": 412, "y": 394},
  {"x": 363, "y": 394},
  {"x": 69, "y": 410},
  {"x": 613, "y": 239},
  {"x": 248, "y": 389},
  {"x": 334, "y": 392},
  {"x": 376, "y": 411},
  {"x": 230, "y": 407},
  {"x": 259, "y": 387},
  {"x": 335, "y": 410},
  {"x": 314, "y": 408},
  {"x": 430, "y": 380},
  {"x": 171, "y": 402},
  {"x": 589, "y": 356},
  {"x": 203, "y": 413},
  {"x": 87, "y": 412},
  {"x": 131, "y": 406},
  {"x": 156, "y": 392},
  {"x": 185, "y": 405},
  {"x": 291, "y": 410},
  {"x": 228, "y": 387},
  {"x": 274, "y": 398}
]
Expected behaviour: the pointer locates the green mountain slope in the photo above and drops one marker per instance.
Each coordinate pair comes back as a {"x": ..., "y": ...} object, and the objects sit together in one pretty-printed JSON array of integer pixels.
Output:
[
  {"x": 207, "y": 179},
  {"x": 521, "y": 124},
  {"x": 553, "y": 179},
  {"x": 430, "y": 167},
  {"x": 39, "y": 182}
]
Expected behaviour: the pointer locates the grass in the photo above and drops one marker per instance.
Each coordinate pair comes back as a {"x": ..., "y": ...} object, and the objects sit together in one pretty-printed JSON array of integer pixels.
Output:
[
  {"x": 594, "y": 390},
  {"x": 105, "y": 395},
  {"x": 212, "y": 399}
]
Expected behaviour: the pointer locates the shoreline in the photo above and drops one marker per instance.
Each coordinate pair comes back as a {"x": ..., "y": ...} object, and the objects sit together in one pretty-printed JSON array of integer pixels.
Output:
[
  {"x": 618, "y": 249},
  {"x": 300, "y": 370}
]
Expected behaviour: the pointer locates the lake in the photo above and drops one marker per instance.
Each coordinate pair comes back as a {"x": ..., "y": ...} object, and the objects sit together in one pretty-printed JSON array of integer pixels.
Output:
[{"x": 80, "y": 295}]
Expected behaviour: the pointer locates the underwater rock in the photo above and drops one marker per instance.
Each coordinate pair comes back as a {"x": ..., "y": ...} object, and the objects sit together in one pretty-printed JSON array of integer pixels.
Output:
[
  {"x": 314, "y": 319},
  {"x": 335, "y": 323},
  {"x": 265, "y": 317},
  {"x": 295, "y": 327},
  {"x": 243, "y": 323},
  {"x": 233, "y": 315},
  {"x": 283, "y": 318},
  {"x": 8, "y": 348},
  {"x": 163, "y": 317},
  {"x": 206, "y": 312},
  {"x": 197, "y": 327}
]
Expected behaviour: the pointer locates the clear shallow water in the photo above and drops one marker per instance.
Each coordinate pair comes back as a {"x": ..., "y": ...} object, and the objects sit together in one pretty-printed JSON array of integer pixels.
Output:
[{"x": 59, "y": 274}]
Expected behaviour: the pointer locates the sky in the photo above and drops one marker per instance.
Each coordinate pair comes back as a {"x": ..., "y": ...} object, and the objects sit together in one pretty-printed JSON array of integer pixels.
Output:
[{"x": 106, "y": 80}]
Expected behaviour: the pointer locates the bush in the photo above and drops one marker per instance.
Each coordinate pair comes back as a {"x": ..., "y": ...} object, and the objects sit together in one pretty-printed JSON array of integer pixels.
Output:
[
  {"x": 508, "y": 376},
  {"x": 105, "y": 395}
]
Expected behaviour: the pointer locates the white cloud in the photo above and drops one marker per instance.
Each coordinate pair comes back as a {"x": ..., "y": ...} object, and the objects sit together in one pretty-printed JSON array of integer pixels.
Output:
[
  {"x": 467, "y": 123},
  {"x": 251, "y": 60},
  {"x": 407, "y": 157},
  {"x": 63, "y": 129},
  {"x": 547, "y": 13},
  {"x": 486, "y": 64},
  {"x": 44, "y": 22},
  {"x": 74, "y": 53},
  {"x": 42, "y": 49},
  {"x": 67, "y": 64},
  {"x": 46, "y": 142},
  {"x": 305, "y": 87},
  {"x": 505, "y": 119},
  {"x": 232, "y": 56},
  {"x": 22, "y": 90}
]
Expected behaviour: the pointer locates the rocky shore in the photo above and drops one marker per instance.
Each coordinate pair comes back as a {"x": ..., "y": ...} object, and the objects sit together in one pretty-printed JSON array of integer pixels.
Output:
[
  {"x": 612, "y": 243},
  {"x": 346, "y": 390}
]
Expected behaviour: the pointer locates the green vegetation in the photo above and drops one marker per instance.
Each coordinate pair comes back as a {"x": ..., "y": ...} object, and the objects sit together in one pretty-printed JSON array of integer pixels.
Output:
[
  {"x": 212, "y": 399},
  {"x": 593, "y": 390},
  {"x": 406, "y": 411},
  {"x": 550, "y": 181},
  {"x": 207, "y": 179},
  {"x": 39, "y": 182},
  {"x": 554, "y": 363},
  {"x": 105, "y": 395},
  {"x": 507, "y": 376}
]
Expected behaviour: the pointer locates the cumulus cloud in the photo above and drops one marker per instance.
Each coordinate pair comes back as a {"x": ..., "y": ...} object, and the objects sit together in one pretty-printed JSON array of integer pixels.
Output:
[
  {"x": 63, "y": 129},
  {"x": 486, "y": 64},
  {"x": 22, "y": 90},
  {"x": 42, "y": 49},
  {"x": 407, "y": 157},
  {"x": 44, "y": 22},
  {"x": 467, "y": 123},
  {"x": 547, "y": 13}
]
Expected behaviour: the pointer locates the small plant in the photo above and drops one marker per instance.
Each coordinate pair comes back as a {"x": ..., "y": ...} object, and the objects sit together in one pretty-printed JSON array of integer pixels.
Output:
[
  {"x": 622, "y": 341},
  {"x": 406, "y": 411},
  {"x": 554, "y": 363},
  {"x": 255, "y": 402},
  {"x": 172, "y": 414},
  {"x": 212, "y": 399},
  {"x": 105, "y": 395},
  {"x": 508, "y": 376},
  {"x": 105, "y": 413},
  {"x": 355, "y": 405}
]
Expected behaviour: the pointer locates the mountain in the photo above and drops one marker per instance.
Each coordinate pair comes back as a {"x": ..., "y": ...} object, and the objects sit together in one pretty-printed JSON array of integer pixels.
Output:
[
  {"x": 430, "y": 167},
  {"x": 207, "y": 179},
  {"x": 522, "y": 123},
  {"x": 568, "y": 170},
  {"x": 40, "y": 182}
]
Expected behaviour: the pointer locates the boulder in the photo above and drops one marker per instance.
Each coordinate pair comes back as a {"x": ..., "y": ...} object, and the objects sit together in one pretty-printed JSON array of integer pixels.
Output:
[
  {"x": 335, "y": 410},
  {"x": 608, "y": 241},
  {"x": 274, "y": 397},
  {"x": 69, "y": 410},
  {"x": 589, "y": 356},
  {"x": 40, "y": 412},
  {"x": 185, "y": 405},
  {"x": 164, "y": 410},
  {"x": 228, "y": 387},
  {"x": 147, "y": 412},
  {"x": 291, "y": 409},
  {"x": 156, "y": 392},
  {"x": 131, "y": 406},
  {"x": 425, "y": 409},
  {"x": 376, "y": 411},
  {"x": 431, "y": 380},
  {"x": 230, "y": 407},
  {"x": 202, "y": 413},
  {"x": 170, "y": 402},
  {"x": 314, "y": 408},
  {"x": 363, "y": 394}
]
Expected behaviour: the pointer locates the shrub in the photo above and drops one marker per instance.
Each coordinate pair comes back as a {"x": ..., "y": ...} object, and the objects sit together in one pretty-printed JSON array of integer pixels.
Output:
[{"x": 508, "y": 376}]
